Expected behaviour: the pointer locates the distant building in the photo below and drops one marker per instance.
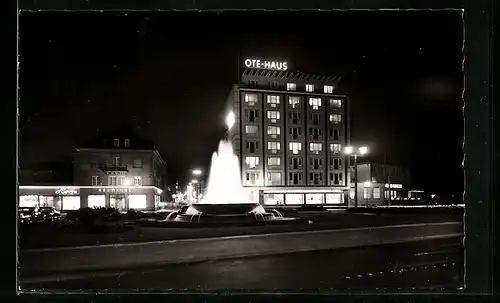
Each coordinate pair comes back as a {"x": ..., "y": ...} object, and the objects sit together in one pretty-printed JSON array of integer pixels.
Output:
[
  {"x": 382, "y": 184},
  {"x": 118, "y": 170},
  {"x": 289, "y": 133}
]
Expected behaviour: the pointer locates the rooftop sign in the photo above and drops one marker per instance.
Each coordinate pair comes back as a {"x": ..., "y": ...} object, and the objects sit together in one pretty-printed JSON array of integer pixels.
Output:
[{"x": 261, "y": 64}]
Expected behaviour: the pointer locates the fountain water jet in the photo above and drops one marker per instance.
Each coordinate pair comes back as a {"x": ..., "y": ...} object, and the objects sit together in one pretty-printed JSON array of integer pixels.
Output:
[{"x": 224, "y": 183}]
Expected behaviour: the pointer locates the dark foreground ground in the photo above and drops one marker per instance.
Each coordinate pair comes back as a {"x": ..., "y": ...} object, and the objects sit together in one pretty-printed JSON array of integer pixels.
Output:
[
  {"x": 419, "y": 266},
  {"x": 46, "y": 236}
]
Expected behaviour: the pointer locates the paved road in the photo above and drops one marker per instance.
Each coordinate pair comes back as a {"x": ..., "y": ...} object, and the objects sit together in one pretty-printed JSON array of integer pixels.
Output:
[{"x": 424, "y": 265}]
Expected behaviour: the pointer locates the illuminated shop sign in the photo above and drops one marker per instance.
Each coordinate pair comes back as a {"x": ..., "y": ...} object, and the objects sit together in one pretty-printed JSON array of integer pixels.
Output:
[
  {"x": 65, "y": 191},
  {"x": 262, "y": 64},
  {"x": 394, "y": 186},
  {"x": 116, "y": 190}
]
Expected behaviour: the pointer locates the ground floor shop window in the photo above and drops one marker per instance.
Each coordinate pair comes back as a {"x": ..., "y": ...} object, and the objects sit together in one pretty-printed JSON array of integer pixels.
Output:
[
  {"x": 95, "y": 201},
  {"x": 273, "y": 199},
  {"x": 71, "y": 203},
  {"x": 294, "y": 199},
  {"x": 137, "y": 201},
  {"x": 28, "y": 201},
  {"x": 51, "y": 201},
  {"x": 334, "y": 199},
  {"x": 315, "y": 199}
]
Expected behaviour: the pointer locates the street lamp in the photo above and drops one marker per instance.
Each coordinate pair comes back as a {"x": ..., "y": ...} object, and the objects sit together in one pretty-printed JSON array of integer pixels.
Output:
[
  {"x": 230, "y": 120},
  {"x": 197, "y": 172},
  {"x": 351, "y": 151}
]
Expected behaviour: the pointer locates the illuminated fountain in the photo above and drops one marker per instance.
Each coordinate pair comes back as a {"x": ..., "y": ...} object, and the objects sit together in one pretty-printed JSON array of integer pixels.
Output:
[{"x": 225, "y": 200}]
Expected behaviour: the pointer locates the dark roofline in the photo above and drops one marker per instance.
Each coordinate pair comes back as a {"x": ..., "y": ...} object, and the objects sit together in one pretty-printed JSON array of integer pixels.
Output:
[{"x": 286, "y": 75}]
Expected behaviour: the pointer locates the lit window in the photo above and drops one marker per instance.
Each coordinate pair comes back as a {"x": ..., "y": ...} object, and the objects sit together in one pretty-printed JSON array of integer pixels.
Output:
[
  {"x": 120, "y": 180},
  {"x": 71, "y": 203},
  {"x": 137, "y": 163},
  {"x": 28, "y": 201},
  {"x": 309, "y": 88},
  {"x": 273, "y": 100},
  {"x": 96, "y": 180},
  {"x": 95, "y": 201},
  {"x": 273, "y": 115},
  {"x": 294, "y": 101},
  {"x": 335, "y": 118},
  {"x": 376, "y": 193},
  {"x": 366, "y": 193},
  {"x": 273, "y": 130},
  {"x": 138, "y": 180},
  {"x": 315, "y": 103},
  {"x": 273, "y": 161},
  {"x": 315, "y": 148},
  {"x": 274, "y": 178},
  {"x": 112, "y": 181},
  {"x": 335, "y": 148},
  {"x": 251, "y": 129},
  {"x": 252, "y": 178},
  {"x": 295, "y": 147},
  {"x": 116, "y": 143},
  {"x": 328, "y": 89},
  {"x": 336, "y": 103},
  {"x": 252, "y": 162},
  {"x": 127, "y": 142},
  {"x": 250, "y": 99},
  {"x": 273, "y": 147},
  {"x": 137, "y": 201},
  {"x": 291, "y": 86}
]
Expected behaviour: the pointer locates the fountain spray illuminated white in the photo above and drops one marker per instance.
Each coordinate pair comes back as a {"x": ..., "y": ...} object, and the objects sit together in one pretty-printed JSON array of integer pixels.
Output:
[{"x": 224, "y": 183}]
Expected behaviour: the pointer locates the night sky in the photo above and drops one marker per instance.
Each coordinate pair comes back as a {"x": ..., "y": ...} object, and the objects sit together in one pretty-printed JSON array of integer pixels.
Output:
[{"x": 168, "y": 74}]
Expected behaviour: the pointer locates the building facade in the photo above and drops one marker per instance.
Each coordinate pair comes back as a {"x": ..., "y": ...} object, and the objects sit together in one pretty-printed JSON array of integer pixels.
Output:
[
  {"x": 120, "y": 171},
  {"x": 289, "y": 133}
]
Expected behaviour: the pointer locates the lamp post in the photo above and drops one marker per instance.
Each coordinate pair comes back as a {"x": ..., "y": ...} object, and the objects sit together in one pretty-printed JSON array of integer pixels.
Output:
[{"x": 350, "y": 151}]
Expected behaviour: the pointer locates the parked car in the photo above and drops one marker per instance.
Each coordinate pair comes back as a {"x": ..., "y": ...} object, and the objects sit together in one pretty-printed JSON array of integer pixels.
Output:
[
  {"x": 48, "y": 214},
  {"x": 27, "y": 214}
]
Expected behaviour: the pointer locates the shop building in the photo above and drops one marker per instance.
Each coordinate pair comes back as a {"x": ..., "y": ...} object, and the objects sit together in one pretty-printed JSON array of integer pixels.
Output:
[
  {"x": 289, "y": 132},
  {"x": 119, "y": 171},
  {"x": 382, "y": 184}
]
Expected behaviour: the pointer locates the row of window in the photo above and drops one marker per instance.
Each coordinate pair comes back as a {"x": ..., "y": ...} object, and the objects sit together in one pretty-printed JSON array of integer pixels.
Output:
[
  {"x": 252, "y": 115},
  {"x": 117, "y": 161},
  {"x": 126, "y": 143},
  {"x": 116, "y": 181},
  {"x": 293, "y": 101},
  {"x": 295, "y": 132},
  {"x": 294, "y": 163},
  {"x": 294, "y": 147},
  {"x": 294, "y": 178}
]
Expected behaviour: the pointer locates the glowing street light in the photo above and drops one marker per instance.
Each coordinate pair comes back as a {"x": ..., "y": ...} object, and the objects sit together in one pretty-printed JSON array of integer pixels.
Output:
[
  {"x": 194, "y": 181},
  {"x": 197, "y": 172},
  {"x": 230, "y": 120},
  {"x": 351, "y": 151}
]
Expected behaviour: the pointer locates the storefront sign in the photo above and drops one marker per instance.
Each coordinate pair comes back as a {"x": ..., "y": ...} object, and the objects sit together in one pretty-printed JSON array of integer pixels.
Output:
[
  {"x": 65, "y": 191},
  {"x": 394, "y": 186},
  {"x": 254, "y": 63}
]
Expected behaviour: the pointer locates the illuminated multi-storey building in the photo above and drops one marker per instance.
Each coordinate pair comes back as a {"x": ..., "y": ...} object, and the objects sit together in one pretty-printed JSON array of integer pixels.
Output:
[{"x": 289, "y": 133}]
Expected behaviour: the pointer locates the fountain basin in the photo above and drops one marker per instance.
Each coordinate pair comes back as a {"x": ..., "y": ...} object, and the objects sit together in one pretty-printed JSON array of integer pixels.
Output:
[{"x": 223, "y": 209}]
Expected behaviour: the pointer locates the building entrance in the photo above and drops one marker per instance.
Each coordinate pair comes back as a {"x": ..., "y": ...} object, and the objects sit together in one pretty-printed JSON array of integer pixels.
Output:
[{"x": 117, "y": 201}]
